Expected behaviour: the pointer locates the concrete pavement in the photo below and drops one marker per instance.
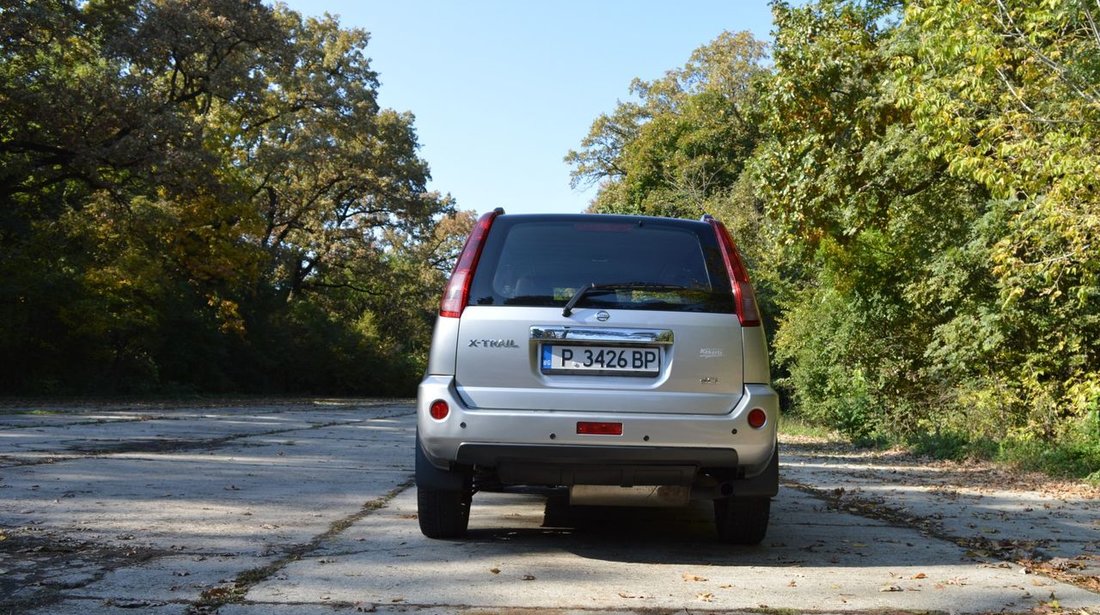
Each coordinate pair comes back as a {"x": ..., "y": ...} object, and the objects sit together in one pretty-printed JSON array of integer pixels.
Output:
[{"x": 307, "y": 508}]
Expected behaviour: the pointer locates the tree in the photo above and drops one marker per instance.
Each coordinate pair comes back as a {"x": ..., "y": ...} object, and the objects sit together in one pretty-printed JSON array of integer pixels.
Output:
[
  {"x": 683, "y": 142},
  {"x": 1006, "y": 92},
  {"x": 102, "y": 129},
  {"x": 850, "y": 194},
  {"x": 198, "y": 194}
]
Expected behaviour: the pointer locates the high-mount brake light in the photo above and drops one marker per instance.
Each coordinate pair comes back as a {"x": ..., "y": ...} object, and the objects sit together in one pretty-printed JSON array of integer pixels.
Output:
[
  {"x": 457, "y": 292},
  {"x": 743, "y": 296}
]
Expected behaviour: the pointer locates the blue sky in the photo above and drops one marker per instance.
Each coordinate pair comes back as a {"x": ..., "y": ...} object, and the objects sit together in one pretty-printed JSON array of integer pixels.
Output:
[{"x": 502, "y": 89}]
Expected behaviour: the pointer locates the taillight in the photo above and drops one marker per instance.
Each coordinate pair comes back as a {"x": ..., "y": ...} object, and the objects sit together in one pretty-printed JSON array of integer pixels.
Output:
[
  {"x": 458, "y": 287},
  {"x": 744, "y": 298}
]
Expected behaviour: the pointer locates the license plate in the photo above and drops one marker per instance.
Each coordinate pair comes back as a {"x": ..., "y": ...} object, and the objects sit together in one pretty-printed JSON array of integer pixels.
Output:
[{"x": 601, "y": 360}]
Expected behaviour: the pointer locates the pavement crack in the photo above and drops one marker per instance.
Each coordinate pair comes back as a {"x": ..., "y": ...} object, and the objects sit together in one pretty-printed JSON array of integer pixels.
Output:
[
  {"x": 1026, "y": 553},
  {"x": 233, "y": 593}
]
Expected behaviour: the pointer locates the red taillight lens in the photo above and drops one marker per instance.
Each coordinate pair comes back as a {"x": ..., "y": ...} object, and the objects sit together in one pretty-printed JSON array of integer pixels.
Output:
[
  {"x": 590, "y": 428},
  {"x": 743, "y": 297},
  {"x": 458, "y": 287},
  {"x": 439, "y": 409},
  {"x": 757, "y": 418}
]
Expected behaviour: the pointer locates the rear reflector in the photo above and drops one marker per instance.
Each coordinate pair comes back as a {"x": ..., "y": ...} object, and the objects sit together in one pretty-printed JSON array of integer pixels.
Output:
[
  {"x": 439, "y": 410},
  {"x": 588, "y": 428},
  {"x": 458, "y": 287},
  {"x": 757, "y": 418}
]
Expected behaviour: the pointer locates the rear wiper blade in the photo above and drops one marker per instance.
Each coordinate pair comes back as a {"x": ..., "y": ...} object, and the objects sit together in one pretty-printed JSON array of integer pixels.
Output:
[{"x": 584, "y": 290}]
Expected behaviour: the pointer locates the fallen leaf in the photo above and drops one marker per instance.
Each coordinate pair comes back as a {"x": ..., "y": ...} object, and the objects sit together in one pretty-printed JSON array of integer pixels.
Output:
[
  {"x": 693, "y": 577},
  {"x": 920, "y": 575},
  {"x": 792, "y": 584},
  {"x": 706, "y": 597},
  {"x": 494, "y": 570},
  {"x": 890, "y": 588},
  {"x": 528, "y": 577}
]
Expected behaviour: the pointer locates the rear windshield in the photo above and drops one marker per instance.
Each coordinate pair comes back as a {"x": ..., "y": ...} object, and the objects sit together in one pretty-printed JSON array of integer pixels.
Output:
[{"x": 650, "y": 263}]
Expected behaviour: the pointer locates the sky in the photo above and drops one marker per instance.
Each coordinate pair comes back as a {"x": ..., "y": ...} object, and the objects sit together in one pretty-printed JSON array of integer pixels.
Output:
[{"x": 503, "y": 89}]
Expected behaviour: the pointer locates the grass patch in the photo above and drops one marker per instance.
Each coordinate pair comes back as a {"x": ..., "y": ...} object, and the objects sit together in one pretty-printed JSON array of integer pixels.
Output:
[
  {"x": 952, "y": 446},
  {"x": 793, "y": 425},
  {"x": 1076, "y": 455},
  {"x": 1067, "y": 459}
]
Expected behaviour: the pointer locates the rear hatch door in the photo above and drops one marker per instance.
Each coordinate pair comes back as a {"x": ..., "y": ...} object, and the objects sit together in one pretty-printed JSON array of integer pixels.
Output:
[{"x": 658, "y": 334}]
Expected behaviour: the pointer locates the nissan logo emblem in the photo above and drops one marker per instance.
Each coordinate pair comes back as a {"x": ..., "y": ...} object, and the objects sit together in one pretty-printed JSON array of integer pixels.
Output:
[{"x": 602, "y": 316}]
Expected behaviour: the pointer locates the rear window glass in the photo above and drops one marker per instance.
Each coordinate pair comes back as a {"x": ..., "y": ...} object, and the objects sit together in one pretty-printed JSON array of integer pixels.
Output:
[{"x": 539, "y": 261}]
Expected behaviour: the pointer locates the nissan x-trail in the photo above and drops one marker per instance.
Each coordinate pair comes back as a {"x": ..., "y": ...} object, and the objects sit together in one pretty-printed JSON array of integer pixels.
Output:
[{"x": 619, "y": 359}]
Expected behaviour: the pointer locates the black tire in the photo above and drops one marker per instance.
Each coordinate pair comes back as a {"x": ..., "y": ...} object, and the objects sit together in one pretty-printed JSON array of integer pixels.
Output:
[
  {"x": 742, "y": 521},
  {"x": 442, "y": 498},
  {"x": 443, "y": 513}
]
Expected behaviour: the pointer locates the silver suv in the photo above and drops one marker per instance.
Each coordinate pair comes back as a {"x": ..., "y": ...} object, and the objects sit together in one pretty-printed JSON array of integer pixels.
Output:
[{"x": 618, "y": 357}]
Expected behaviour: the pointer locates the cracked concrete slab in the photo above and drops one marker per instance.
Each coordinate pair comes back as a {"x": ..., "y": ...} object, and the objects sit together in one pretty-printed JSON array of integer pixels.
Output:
[
  {"x": 996, "y": 518},
  {"x": 232, "y": 493},
  {"x": 305, "y": 508},
  {"x": 814, "y": 559}
]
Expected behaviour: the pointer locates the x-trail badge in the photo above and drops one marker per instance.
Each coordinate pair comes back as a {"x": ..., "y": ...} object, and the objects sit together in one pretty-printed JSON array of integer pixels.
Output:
[{"x": 492, "y": 344}]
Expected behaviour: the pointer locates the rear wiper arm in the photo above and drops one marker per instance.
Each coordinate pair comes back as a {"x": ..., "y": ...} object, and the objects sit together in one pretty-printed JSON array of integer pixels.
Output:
[{"x": 584, "y": 290}]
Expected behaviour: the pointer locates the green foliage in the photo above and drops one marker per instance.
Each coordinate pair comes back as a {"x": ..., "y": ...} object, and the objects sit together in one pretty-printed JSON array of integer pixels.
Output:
[
  {"x": 1076, "y": 454},
  {"x": 206, "y": 196},
  {"x": 859, "y": 208},
  {"x": 1006, "y": 94}
]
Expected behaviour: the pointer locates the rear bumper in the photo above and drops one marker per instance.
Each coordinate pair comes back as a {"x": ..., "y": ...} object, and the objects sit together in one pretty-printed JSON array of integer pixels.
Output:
[{"x": 543, "y": 447}]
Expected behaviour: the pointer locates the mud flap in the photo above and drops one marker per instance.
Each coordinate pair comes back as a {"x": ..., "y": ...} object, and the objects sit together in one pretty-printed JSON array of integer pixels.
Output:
[
  {"x": 430, "y": 477},
  {"x": 765, "y": 484}
]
